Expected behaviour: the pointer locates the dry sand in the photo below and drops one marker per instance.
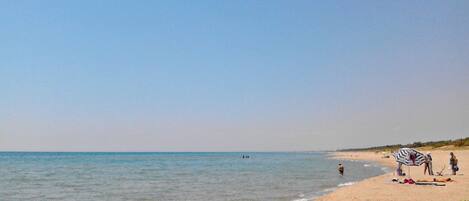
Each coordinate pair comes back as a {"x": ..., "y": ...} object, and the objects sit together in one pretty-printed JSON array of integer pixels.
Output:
[{"x": 381, "y": 188}]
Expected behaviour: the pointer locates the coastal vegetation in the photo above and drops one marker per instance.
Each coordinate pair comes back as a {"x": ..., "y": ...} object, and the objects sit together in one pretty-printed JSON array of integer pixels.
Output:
[{"x": 462, "y": 143}]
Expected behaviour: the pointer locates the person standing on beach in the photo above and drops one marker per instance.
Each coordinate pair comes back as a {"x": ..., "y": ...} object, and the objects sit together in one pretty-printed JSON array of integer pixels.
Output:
[
  {"x": 428, "y": 164},
  {"x": 399, "y": 170},
  {"x": 453, "y": 161},
  {"x": 341, "y": 169}
]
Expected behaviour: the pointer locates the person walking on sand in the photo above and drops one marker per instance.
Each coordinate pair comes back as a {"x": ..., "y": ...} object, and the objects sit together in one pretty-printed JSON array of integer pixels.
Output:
[
  {"x": 428, "y": 164},
  {"x": 453, "y": 161},
  {"x": 341, "y": 169}
]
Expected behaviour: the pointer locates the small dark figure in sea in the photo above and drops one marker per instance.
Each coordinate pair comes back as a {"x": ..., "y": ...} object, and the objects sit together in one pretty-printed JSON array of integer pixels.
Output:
[{"x": 341, "y": 169}]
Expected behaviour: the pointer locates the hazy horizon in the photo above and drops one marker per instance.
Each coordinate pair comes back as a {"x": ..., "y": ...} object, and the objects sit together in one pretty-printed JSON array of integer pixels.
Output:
[{"x": 231, "y": 75}]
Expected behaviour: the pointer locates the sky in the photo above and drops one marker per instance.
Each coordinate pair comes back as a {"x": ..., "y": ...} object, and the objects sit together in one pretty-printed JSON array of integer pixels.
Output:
[{"x": 231, "y": 75}]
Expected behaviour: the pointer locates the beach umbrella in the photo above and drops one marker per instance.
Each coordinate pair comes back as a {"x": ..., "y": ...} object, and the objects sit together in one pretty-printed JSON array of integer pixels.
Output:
[{"x": 409, "y": 157}]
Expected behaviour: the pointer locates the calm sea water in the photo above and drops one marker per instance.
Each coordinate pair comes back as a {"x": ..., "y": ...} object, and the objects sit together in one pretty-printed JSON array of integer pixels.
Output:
[{"x": 174, "y": 176}]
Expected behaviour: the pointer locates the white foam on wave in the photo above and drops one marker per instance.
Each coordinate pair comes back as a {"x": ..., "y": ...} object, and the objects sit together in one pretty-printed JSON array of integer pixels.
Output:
[
  {"x": 329, "y": 190},
  {"x": 301, "y": 199},
  {"x": 312, "y": 197},
  {"x": 346, "y": 184},
  {"x": 366, "y": 165},
  {"x": 315, "y": 195}
]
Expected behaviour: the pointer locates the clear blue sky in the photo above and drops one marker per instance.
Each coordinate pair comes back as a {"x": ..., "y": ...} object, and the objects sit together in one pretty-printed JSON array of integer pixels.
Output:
[{"x": 231, "y": 75}]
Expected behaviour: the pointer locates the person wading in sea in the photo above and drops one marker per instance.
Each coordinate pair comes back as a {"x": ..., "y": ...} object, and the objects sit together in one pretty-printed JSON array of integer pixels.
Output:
[{"x": 341, "y": 169}]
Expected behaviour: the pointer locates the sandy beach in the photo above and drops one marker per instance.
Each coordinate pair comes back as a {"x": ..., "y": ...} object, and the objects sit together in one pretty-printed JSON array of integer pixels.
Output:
[{"x": 382, "y": 188}]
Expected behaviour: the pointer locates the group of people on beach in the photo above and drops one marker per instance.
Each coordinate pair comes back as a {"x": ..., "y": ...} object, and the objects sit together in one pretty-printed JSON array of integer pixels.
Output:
[{"x": 453, "y": 161}]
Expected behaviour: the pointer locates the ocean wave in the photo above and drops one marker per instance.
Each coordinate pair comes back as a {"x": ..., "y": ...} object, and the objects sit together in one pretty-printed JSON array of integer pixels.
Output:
[
  {"x": 311, "y": 197},
  {"x": 346, "y": 184},
  {"x": 366, "y": 165},
  {"x": 301, "y": 199},
  {"x": 329, "y": 190}
]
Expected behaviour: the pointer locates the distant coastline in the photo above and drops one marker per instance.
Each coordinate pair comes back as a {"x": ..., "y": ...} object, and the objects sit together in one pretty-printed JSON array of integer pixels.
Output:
[{"x": 462, "y": 143}]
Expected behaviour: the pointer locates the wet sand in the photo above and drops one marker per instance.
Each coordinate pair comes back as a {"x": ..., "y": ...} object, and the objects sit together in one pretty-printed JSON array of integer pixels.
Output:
[{"x": 381, "y": 188}]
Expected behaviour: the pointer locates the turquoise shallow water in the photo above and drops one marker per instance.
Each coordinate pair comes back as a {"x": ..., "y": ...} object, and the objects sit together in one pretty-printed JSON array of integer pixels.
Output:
[{"x": 174, "y": 176}]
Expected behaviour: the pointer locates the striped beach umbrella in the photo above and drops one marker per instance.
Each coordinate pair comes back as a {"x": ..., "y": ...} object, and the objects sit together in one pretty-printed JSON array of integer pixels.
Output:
[{"x": 409, "y": 157}]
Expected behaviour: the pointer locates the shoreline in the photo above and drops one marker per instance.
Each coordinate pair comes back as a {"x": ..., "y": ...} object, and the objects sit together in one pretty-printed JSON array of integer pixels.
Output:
[
  {"x": 344, "y": 156},
  {"x": 381, "y": 188}
]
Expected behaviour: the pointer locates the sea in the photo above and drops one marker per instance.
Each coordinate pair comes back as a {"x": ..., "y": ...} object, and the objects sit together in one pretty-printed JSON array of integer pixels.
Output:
[{"x": 175, "y": 176}]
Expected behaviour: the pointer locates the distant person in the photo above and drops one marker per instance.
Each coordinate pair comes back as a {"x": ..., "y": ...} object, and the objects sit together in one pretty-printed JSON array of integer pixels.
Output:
[
  {"x": 428, "y": 164},
  {"x": 341, "y": 169},
  {"x": 453, "y": 161}
]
